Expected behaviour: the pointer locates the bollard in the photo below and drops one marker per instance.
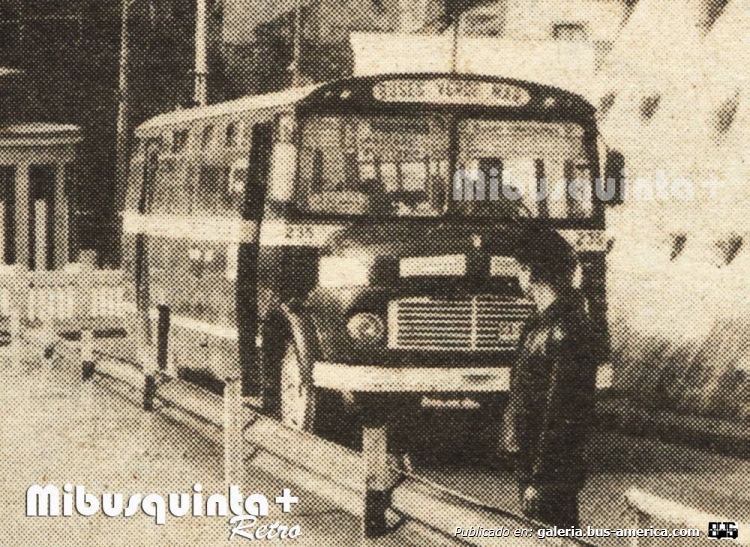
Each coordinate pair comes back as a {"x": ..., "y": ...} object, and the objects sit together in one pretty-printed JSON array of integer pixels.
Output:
[
  {"x": 149, "y": 380},
  {"x": 640, "y": 520},
  {"x": 375, "y": 452},
  {"x": 88, "y": 365},
  {"x": 234, "y": 463},
  {"x": 15, "y": 339},
  {"x": 162, "y": 337},
  {"x": 149, "y": 392}
]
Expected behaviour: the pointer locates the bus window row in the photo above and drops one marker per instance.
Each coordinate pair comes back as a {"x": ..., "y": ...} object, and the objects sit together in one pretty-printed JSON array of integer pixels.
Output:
[
  {"x": 166, "y": 185},
  {"x": 208, "y": 138}
]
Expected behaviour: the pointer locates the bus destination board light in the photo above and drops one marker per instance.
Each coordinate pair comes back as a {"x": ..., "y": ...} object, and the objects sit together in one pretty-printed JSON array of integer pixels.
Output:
[{"x": 447, "y": 91}]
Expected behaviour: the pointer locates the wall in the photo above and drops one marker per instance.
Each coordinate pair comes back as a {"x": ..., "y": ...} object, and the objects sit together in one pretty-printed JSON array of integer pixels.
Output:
[{"x": 675, "y": 102}]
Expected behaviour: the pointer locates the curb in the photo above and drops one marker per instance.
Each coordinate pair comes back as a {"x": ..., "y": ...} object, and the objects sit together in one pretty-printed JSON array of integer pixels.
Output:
[{"x": 720, "y": 436}]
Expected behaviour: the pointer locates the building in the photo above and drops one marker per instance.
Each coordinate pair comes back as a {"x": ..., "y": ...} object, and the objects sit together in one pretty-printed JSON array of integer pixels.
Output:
[
  {"x": 258, "y": 40},
  {"x": 68, "y": 52},
  {"x": 37, "y": 176},
  {"x": 673, "y": 99}
]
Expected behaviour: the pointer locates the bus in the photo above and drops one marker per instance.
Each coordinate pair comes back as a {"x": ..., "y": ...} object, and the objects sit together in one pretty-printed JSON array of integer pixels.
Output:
[{"x": 319, "y": 241}]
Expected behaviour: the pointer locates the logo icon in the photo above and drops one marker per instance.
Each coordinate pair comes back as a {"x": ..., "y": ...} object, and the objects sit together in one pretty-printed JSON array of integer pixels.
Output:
[{"x": 721, "y": 530}]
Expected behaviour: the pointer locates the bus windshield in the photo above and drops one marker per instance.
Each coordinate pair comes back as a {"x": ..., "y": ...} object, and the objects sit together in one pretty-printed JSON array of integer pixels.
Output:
[{"x": 434, "y": 165}]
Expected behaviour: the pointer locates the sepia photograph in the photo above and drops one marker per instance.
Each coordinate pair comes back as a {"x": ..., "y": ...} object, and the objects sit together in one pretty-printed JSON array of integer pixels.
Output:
[{"x": 378, "y": 273}]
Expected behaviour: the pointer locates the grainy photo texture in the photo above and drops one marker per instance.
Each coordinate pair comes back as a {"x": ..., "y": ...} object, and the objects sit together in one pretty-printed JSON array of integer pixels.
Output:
[{"x": 374, "y": 272}]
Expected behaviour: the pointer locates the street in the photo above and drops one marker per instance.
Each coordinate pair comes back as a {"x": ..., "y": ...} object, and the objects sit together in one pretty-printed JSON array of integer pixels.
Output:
[
  {"x": 58, "y": 429},
  {"x": 85, "y": 435}
]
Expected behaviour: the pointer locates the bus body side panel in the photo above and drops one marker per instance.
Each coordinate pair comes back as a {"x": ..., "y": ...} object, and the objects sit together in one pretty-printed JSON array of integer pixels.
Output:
[
  {"x": 196, "y": 275},
  {"x": 195, "y": 280}
]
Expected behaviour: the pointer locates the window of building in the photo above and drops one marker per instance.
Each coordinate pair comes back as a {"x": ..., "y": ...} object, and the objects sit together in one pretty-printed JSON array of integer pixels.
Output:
[
  {"x": 649, "y": 106},
  {"x": 482, "y": 24},
  {"x": 726, "y": 113},
  {"x": 8, "y": 208},
  {"x": 606, "y": 103}
]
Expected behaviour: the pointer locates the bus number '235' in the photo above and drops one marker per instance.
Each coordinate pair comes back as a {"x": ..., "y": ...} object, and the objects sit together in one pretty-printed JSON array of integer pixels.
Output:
[{"x": 299, "y": 231}]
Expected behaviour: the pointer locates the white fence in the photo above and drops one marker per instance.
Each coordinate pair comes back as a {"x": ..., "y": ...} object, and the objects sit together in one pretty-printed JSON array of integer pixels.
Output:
[{"x": 61, "y": 297}]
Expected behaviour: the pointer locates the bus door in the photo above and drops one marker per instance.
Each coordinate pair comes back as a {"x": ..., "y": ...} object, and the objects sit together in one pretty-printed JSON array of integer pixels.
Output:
[
  {"x": 143, "y": 304},
  {"x": 259, "y": 164}
]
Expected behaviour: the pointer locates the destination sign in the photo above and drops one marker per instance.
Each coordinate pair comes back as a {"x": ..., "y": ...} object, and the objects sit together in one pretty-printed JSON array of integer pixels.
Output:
[{"x": 446, "y": 91}]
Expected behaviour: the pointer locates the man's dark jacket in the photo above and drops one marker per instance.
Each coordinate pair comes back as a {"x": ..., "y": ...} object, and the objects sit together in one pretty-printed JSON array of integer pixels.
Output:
[{"x": 553, "y": 387}]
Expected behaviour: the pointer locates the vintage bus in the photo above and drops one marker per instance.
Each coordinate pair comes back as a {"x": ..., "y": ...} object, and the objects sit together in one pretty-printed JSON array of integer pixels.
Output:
[{"x": 314, "y": 238}]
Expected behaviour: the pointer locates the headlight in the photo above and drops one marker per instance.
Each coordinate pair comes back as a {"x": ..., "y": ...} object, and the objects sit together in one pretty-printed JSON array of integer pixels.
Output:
[
  {"x": 366, "y": 327},
  {"x": 339, "y": 271}
]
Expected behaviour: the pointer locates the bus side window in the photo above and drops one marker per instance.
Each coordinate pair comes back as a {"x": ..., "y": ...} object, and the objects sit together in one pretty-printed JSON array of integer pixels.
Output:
[
  {"x": 259, "y": 164},
  {"x": 210, "y": 183}
]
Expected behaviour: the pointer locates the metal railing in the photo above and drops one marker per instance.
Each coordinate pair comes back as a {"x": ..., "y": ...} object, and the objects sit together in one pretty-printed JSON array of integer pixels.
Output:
[{"x": 645, "y": 507}]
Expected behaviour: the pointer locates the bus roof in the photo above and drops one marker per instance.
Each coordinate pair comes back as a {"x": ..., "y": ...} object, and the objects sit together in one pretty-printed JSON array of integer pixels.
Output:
[
  {"x": 359, "y": 91},
  {"x": 244, "y": 104},
  {"x": 450, "y": 90}
]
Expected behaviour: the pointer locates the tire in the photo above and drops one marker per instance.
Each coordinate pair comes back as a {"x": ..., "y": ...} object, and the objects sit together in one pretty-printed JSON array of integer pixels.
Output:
[
  {"x": 297, "y": 395},
  {"x": 302, "y": 407}
]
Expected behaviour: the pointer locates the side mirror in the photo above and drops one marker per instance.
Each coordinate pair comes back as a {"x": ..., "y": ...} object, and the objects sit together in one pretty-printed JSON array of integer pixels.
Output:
[{"x": 614, "y": 178}]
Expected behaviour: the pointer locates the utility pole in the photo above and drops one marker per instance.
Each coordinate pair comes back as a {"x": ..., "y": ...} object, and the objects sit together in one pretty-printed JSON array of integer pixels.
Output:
[
  {"x": 123, "y": 115},
  {"x": 297, "y": 45},
  {"x": 201, "y": 54}
]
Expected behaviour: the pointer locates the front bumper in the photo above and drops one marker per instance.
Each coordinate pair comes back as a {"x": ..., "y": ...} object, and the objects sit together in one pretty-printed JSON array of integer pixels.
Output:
[{"x": 374, "y": 379}]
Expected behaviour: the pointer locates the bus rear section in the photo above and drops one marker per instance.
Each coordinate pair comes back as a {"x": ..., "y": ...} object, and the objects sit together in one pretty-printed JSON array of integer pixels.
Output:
[{"x": 185, "y": 225}]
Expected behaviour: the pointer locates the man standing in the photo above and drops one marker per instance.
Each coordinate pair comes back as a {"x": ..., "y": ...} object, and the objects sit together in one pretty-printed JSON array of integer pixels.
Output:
[{"x": 553, "y": 384}]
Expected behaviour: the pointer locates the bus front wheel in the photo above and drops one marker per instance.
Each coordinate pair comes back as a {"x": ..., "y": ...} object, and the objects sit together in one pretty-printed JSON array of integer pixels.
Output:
[{"x": 297, "y": 395}]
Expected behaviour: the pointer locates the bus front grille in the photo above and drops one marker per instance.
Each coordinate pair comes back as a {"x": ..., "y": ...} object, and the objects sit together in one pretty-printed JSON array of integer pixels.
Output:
[{"x": 471, "y": 324}]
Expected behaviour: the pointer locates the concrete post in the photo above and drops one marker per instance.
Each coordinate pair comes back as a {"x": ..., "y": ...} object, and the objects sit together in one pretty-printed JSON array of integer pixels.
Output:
[
  {"x": 22, "y": 217},
  {"x": 201, "y": 54},
  {"x": 162, "y": 337},
  {"x": 375, "y": 453},
  {"x": 234, "y": 463},
  {"x": 149, "y": 381}
]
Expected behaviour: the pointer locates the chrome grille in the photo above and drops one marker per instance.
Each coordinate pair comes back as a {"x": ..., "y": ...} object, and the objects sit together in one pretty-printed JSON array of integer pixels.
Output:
[{"x": 478, "y": 323}]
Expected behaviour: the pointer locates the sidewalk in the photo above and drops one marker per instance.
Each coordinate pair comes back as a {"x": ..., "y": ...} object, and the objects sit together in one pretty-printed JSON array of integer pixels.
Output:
[{"x": 57, "y": 429}]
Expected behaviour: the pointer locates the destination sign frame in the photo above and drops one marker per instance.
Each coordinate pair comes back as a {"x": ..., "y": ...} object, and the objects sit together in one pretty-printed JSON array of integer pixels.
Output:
[{"x": 450, "y": 91}]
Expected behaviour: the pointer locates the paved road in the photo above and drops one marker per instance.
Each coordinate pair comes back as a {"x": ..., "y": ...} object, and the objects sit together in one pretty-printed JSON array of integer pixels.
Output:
[
  {"x": 697, "y": 478},
  {"x": 56, "y": 430}
]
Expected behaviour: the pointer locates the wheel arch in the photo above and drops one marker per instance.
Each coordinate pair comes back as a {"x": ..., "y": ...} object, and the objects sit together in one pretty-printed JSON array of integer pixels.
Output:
[{"x": 287, "y": 322}]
